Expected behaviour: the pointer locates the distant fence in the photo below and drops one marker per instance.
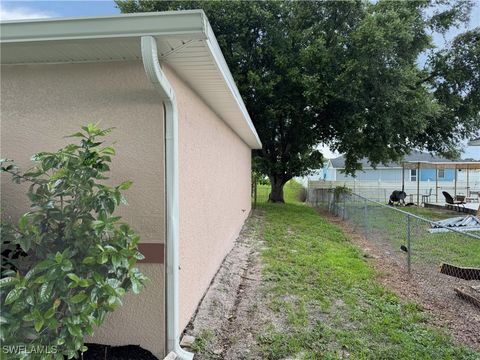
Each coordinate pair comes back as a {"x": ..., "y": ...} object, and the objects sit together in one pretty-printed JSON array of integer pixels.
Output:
[
  {"x": 440, "y": 263},
  {"x": 381, "y": 190},
  {"x": 259, "y": 193}
]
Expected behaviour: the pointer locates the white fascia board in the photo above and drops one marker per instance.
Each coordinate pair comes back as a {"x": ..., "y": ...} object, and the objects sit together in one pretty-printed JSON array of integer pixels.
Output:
[
  {"x": 169, "y": 23},
  {"x": 217, "y": 54}
]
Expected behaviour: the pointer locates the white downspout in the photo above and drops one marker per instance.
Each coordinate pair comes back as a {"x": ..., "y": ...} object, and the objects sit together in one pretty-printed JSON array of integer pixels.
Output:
[{"x": 158, "y": 79}]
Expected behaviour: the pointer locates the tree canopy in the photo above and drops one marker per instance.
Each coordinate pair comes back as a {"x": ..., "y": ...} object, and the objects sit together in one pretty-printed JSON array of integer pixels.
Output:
[{"x": 345, "y": 74}]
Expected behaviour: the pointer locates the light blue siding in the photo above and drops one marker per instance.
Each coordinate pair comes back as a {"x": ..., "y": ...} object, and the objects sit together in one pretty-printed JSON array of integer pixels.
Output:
[
  {"x": 429, "y": 174},
  {"x": 391, "y": 175}
]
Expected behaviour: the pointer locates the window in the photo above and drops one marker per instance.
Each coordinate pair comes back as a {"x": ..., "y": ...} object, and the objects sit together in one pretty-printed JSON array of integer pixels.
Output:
[
  {"x": 413, "y": 174},
  {"x": 441, "y": 173}
]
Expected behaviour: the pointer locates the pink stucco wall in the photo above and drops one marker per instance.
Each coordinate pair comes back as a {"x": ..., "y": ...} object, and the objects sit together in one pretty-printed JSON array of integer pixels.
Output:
[
  {"x": 40, "y": 104},
  {"x": 214, "y": 193}
]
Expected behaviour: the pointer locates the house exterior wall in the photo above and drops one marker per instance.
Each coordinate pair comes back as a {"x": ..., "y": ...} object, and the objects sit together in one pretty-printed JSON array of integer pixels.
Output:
[
  {"x": 372, "y": 175},
  {"x": 214, "y": 193},
  {"x": 43, "y": 103},
  {"x": 430, "y": 174},
  {"x": 392, "y": 174}
]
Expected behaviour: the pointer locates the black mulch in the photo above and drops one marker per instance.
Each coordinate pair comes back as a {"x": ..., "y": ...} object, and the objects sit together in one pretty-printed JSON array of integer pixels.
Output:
[{"x": 127, "y": 352}]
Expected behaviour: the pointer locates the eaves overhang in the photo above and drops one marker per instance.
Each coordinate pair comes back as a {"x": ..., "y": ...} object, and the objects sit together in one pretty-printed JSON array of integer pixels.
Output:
[{"x": 185, "y": 42}]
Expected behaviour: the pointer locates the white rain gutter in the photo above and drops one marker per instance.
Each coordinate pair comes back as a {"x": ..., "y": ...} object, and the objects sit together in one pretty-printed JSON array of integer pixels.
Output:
[{"x": 161, "y": 84}]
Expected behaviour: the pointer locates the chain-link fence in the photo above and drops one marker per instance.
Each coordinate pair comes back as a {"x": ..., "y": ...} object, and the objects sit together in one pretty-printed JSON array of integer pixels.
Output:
[
  {"x": 437, "y": 265},
  {"x": 259, "y": 193}
]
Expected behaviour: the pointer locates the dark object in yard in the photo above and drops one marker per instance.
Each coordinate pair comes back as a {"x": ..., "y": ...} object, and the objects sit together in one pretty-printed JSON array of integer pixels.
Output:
[
  {"x": 107, "y": 352},
  {"x": 397, "y": 196},
  {"x": 410, "y": 204},
  {"x": 470, "y": 294},
  {"x": 466, "y": 273},
  {"x": 449, "y": 199},
  {"x": 404, "y": 248}
]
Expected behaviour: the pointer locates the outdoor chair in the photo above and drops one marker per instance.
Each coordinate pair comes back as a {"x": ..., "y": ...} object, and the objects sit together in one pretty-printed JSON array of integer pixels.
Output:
[
  {"x": 426, "y": 197},
  {"x": 449, "y": 199}
]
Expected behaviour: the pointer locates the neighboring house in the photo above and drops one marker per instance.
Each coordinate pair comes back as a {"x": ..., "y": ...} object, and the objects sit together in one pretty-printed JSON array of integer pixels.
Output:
[
  {"x": 183, "y": 135},
  {"x": 378, "y": 183},
  {"x": 391, "y": 171}
]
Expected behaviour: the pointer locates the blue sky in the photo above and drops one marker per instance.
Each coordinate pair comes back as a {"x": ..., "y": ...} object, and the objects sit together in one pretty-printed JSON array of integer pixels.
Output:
[
  {"x": 42, "y": 9},
  {"x": 10, "y": 10}
]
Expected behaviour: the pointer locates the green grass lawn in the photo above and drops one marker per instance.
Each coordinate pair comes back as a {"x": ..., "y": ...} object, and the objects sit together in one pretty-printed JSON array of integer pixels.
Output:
[
  {"x": 330, "y": 299},
  {"x": 388, "y": 225}
]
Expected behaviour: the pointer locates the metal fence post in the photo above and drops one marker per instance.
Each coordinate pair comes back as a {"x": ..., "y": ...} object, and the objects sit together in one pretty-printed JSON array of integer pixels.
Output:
[
  {"x": 365, "y": 214},
  {"x": 409, "y": 247}
]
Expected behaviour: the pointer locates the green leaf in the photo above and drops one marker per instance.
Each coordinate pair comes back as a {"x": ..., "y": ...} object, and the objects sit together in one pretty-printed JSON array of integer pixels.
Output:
[
  {"x": 45, "y": 292},
  {"x": 109, "y": 150},
  {"x": 39, "y": 324},
  {"x": 125, "y": 185},
  {"x": 49, "y": 313},
  {"x": 116, "y": 261},
  {"x": 103, "y": 259},
  {"x": 89, "y": 260},
  {"x": 60, "y": 173},
  {"x": 13, "y": 295},
  {"x": 77, "y": 134},
  {"x": 30, "y": 299},
  {"x": 58, "y": 257},
  {"x": 139, "y": 256},
  {"x": 67, "y": 265},
  {"x": 78, "y": 298},
  {"x": 32, "y": 272},
  {"x": 85, "y": 283},
  {"x": 7, "y": 281},
  {"x": 136, "y": 286},
  {"x": 23, "y": 222},
  {"x": 74, "y": 330},
  {"x": 73, "y": 277},
  {"x": 25, "y": 242},
  {"x": 29, "y": 317},
  {"x": 41, "y": 279},
  {"x": 45, "y": 264}
]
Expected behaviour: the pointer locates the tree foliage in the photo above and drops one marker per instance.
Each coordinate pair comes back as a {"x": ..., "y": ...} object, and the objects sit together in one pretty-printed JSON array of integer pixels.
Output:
[
  {"x": 345, "y": 74},
  {"x": 81, "y": 258}
]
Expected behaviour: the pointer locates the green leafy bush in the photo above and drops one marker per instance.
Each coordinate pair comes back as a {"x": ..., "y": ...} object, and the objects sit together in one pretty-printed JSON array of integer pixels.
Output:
[
  {"x": 340, "y": 192},
  {"x": 81, "y": 258}
]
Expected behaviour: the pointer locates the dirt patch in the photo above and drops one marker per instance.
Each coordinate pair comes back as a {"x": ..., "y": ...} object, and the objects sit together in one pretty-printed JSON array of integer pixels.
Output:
[
  {"x": 233, "y": 312},
  {"x": 426, "y": 286}
]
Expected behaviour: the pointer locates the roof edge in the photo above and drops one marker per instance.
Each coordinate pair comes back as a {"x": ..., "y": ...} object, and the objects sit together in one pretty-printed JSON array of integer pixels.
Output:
[
  {"x": 214, "y": 47},
  {"x": 180, "y": 24},
  {"x": 175, "y": 23}
]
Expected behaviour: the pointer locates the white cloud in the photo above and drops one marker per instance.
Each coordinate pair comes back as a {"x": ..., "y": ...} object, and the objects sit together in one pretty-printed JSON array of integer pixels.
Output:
[{"x": 22, "y": 12}]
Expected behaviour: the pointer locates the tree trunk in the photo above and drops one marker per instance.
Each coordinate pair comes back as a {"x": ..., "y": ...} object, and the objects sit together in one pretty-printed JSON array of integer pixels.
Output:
[{"x": 276, "y": 192}]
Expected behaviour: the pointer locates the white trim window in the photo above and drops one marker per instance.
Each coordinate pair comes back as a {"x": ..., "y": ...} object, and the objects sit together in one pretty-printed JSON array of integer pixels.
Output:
[
  {"x": 441, "y": 173},
  {"x": 413, "y": 174}
]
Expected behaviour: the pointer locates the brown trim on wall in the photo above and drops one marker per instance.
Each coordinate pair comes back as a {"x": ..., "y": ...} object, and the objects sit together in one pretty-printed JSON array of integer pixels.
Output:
[{"x": 153, "y": 252}]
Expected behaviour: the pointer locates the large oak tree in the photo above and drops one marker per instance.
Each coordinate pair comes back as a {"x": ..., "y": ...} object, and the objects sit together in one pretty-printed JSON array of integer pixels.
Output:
[{"x": 345, "y": 74}]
